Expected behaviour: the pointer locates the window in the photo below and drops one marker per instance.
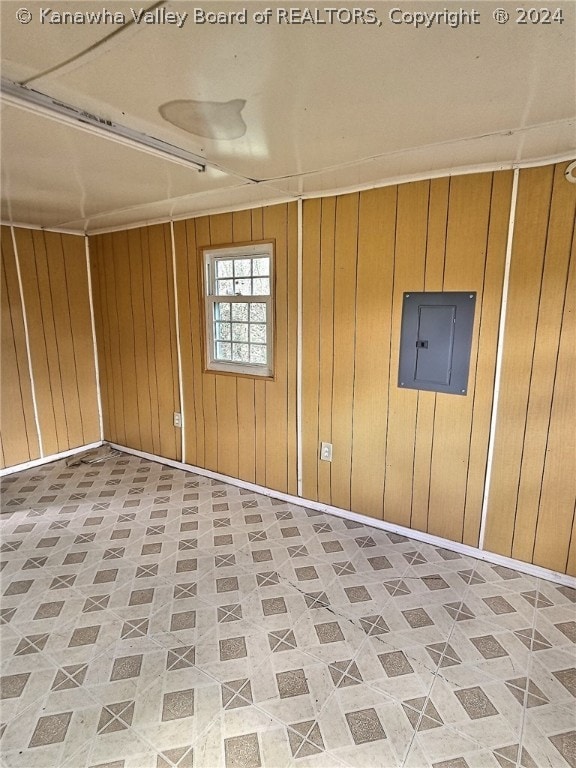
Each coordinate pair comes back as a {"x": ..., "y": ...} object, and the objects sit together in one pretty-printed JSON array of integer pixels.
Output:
[{"x": 238, "y": 296}]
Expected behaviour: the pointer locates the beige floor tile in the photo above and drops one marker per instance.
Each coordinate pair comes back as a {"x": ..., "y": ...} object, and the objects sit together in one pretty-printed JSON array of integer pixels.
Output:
[{"x": 152, "y": 618}]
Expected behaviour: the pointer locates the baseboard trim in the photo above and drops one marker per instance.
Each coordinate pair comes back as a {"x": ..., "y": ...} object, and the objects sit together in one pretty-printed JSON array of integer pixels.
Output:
[
  {"x": 48, "y": 459},
  {"x": 427, "y": 538}
]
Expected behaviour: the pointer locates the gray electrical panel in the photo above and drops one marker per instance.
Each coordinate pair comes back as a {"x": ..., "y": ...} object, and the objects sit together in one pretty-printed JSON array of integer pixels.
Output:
[{"x": 435, "y": 341}]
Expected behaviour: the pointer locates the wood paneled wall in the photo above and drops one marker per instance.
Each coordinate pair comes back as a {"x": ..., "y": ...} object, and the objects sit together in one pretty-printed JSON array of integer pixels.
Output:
[
  {"x": 409, "y": 457},
  {"x": 136, "y": 331},
  {"x": 19, "y": 436},
  {"x": 531, "y": 510},
  {"x": 241, "y": 426},
  {"x": 237, "y": 425},
  {"x": 57, "y": 310}
]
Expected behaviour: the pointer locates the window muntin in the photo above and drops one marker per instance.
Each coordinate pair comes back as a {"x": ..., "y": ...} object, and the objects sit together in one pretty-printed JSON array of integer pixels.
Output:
[{"x": 239, "y": 311}]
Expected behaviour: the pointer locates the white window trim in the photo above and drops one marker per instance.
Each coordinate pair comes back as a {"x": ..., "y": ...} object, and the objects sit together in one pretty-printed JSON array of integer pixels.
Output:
[{"x": 210, "y": 299}]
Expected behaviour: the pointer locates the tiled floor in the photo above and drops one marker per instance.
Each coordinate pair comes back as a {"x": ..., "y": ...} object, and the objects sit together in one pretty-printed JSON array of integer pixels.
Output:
[{"x": 153, "y": 618}]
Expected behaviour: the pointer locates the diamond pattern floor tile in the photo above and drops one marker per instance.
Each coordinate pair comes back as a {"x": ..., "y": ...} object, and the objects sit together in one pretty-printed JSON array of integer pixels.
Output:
[{"x": 156, "y": 618}]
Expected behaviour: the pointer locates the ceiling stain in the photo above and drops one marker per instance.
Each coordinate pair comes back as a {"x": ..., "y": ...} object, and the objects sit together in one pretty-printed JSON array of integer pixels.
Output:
[{"x": 210, "y": 119}]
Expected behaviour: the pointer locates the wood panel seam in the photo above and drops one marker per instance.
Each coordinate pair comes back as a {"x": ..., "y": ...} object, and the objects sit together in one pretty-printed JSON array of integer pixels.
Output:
[
  {"x": 551, "y": 412},
  {"x": 530, "y": 390},
  {"x": 499, "y": 359},
  {"x": 27, "y": 338},
  {"x": 481, "y": 314},
  {"x": 94, "y": 339}
]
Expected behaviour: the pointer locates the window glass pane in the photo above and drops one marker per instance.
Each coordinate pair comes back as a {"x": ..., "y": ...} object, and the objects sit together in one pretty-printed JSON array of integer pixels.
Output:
[
  {"x": 240, "y": 353},
  {"x": 258, "y": 334},
  {"x": 261, "y": 286},
  {"x": 257, "y": 312},
  {"x": 224, "y": 268},
  {"x": 242, "y": 267},
  {"x": 222, "y": 311},
  {"x": 239, "y": 331},
  {"x": 240, "y": 312},
  {"x": 239, "y": 281},
  {"x": 257, "y": 354},
  {"x": 243, "y": 287},
  {"x": 223, "y": 331},
  {"x": 224, "y": 288},
  {"x": 261, "y": 266},
  {"x": 223, "y": 351}
]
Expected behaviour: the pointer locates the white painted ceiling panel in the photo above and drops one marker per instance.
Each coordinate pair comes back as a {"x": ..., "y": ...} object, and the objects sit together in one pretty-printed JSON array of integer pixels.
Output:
[
  {"x": 483, "y": 152},
  {"x": 65, "y": 170},
  {"x": 33, "y": 48},
  {"x": 218, "y": 200},
  {"x": 360, "y": 86},
  {"x": 306, "y": 108}
]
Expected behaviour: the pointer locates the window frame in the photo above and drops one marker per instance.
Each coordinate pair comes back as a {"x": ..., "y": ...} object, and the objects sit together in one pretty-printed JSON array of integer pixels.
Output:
[{"x": 208, "y": 257}]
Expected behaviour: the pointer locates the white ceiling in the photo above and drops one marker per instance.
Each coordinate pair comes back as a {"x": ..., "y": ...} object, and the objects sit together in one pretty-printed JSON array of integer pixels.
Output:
[{"x": 320, "y": 107}]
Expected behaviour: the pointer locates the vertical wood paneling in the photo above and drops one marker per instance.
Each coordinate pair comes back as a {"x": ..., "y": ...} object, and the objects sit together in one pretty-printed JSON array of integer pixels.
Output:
[
  {"x": 376, "y": 221},
  {"x": 19, "y": 433},
  {"x": 259, "y": 385},
  {"x": 13, "y": 409},
  {"x": 102, "y": 333},
  {"x": 136, "y": 333},
  {"x": 531, "y": 503},
  {"x": 242, "y": 233},
  {"x": 571, "y": 565},
  {"x": 409, "y": 256},
  {"x": 466, "y": 245},
  {"x": 38, "y": 300},
  {"x": 485, "y": 366},
  {"x": 149, "y": 293},
  {"x": 226, "y": 386},
  {"x": 291, "y": 345},
  {"x": 75, "y": 270},
  {"x": 426, "y": 401},
  {"x": 55, "y": 288},
  {"x": 59, "y": 293},
  {"x": 190, "y": 424},
  {"x": 120, "y": 273},
  {"x": 345, "y": 263},
  {"x": 409, "y": 457},
  {"x": 555, "y": 519},
  {"x": 413, "y": 458},
  {"x": 209, "y": 402},
  {"x": 326, "y": 376},
  {"x": 174, "y": 434},
  {"x": 139, "y": 340},
  {"x": 549, "y": 371},
  {"x": 191, "y": 342},
  {"x": 532, "y": 213},
  {"x": 241, "y": 426},
  {"x": 311, "y": 216},
  {"x": 276, "y": 226},
  {"x": 115, "y": 335},
  {"x": 165, "y": 338}
]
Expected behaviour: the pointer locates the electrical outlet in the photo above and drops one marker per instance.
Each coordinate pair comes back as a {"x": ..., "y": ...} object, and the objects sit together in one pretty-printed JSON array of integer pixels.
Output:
[
  {"x": 326, "y": 451},
  {"x": 177, "y": 419}
]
